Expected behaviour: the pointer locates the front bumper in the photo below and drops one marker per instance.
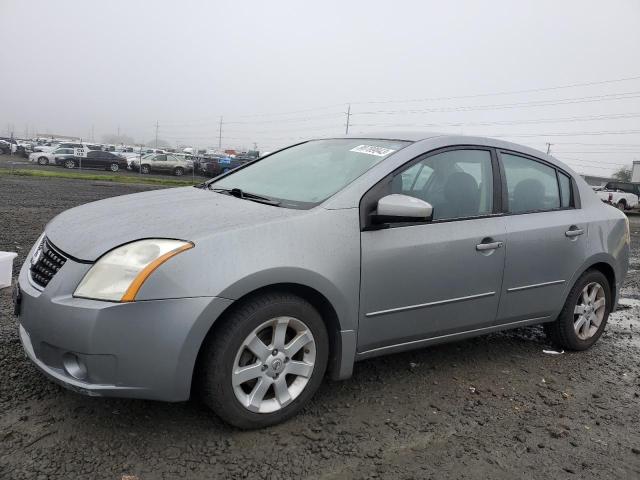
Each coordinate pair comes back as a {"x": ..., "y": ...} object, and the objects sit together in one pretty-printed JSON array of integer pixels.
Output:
[{"x": 146, "y": 349}]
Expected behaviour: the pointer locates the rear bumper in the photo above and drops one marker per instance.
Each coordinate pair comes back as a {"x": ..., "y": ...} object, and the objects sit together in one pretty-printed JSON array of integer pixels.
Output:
[{"x": 145, "y": 349}]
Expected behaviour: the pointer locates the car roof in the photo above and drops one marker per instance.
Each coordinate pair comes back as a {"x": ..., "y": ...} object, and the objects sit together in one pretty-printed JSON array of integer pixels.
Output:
[{"x": 453, "y": 139}]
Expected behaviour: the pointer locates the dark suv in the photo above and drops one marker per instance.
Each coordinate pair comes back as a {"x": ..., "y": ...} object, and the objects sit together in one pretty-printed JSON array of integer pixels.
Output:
[
  {"x": 220, "y": 165},
  {"x": 624, "y": 187}
]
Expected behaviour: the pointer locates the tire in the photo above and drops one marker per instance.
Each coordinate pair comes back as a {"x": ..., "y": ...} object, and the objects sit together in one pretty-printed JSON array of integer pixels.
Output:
[
  {"x": 178, "y": 171},
  {"x": 114, "y": 167},
  {"x": 69, "y": 164},
  {"x": 43, "y": 161},
  {"x": 145, "y": 169},
  {"x": 226, "y": 351},
  {"x": 621, "y": 205},
  {"x": 564, "y": 331}
]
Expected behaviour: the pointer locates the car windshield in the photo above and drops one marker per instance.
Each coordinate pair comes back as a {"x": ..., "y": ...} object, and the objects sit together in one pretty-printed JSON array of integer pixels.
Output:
[{"x": 305, "y": 175}]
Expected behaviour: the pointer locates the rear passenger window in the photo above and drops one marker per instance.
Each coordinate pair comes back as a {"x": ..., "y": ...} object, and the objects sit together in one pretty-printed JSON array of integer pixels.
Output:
[
  {"x": 565, "y": 190},
  {"x": 531, "y": 186}
]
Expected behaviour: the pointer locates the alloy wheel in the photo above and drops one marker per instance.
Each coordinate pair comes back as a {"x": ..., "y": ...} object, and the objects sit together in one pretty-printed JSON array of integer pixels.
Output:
[
  {"x": 589, "y": 310},
  {"x": 274, "y": 364}
]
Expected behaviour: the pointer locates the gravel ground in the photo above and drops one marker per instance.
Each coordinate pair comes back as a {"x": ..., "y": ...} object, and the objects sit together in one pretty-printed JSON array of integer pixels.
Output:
[{"x": 490, "y": 407}]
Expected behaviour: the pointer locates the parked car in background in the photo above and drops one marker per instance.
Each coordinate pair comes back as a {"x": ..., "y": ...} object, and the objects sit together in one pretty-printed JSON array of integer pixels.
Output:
[
  {"x": 49, "y": 158},
  {"x": 220, "y": 165},
  {"x": 336, "y": 250},
  {"x": 628, "y": 187},
  {"x": 45, "y": 147},
  {"x": 162, "y": 163},
  {"x": 95, "y": 159},
  {"x": 621, "y": 199},
  {"x": 250, "y": 155},
  {"x": 5, "y": 147}
]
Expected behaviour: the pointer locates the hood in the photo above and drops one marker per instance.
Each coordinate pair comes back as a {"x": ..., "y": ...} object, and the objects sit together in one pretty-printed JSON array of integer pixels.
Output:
[{"x": 186, "y": 213}]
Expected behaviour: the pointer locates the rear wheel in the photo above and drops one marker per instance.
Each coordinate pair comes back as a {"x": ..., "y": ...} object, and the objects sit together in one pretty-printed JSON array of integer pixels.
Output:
[
  {"x": 265, "y": 361},
  {"x": 145, "y": 169},
  {"x": 69, "y": 164},
  {"x": 43, "y": 161},
  {"x": 585, "y": 313},
  {"x": 114, "y": 167},
  {"x": 178, "y": 171},
  {"x": 621, "y": 205}
]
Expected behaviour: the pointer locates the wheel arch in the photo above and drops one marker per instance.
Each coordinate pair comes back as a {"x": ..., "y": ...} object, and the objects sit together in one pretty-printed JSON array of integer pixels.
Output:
[
  {"x": 340, "y": 364},
  {"x": 604, "y": 264}
]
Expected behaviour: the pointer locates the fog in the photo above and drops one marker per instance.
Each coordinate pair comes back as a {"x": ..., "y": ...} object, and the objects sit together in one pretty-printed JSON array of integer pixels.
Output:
[{"x": 280, "y": 71}]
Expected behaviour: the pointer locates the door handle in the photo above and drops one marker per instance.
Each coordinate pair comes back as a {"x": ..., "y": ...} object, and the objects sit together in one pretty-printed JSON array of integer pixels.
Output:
[
  {"x": 483, "y": 247},
  {"x": 574, "y": 232}
]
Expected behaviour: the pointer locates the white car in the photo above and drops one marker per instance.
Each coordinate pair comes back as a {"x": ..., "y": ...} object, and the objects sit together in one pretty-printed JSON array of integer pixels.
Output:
[
  {"x": 49, "y": 158},
  {"x": 618, "y": 198}
]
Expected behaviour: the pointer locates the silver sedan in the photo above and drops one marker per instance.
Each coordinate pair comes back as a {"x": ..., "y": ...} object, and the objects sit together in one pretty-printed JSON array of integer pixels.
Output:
[{"x": 254, "y": 285}]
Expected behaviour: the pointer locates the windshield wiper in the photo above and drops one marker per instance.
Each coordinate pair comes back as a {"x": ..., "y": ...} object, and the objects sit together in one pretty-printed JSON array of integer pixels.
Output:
[{"x": 236, "y": 192}]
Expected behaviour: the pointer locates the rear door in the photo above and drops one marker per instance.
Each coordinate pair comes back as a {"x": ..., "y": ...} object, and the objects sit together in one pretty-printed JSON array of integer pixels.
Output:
[
  {"x": 159, "y": 163},
  {"x": 93, "y": 159},
  {"x": 426, "y": 280},
  {"x": 546, "y": 237}
]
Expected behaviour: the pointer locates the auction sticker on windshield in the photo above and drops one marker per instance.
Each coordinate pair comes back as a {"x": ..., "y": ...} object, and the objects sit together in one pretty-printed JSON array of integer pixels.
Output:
[{"x": 372, "y": 150}]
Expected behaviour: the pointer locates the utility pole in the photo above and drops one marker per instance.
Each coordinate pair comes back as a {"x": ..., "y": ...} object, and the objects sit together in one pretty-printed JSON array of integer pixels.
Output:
[
  {"x": 92, "y": 132},
  {"x": 346, "y": 131},
  {"x": 157, "y": 125},
  {"x": 118, "y": 132},
  {"x": 548, "y": 148},
  {"x": 220, "y": 134}
]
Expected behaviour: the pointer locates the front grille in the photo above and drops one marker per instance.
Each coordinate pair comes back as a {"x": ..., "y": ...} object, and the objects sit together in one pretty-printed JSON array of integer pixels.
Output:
[{"x": 45, "y": 263}]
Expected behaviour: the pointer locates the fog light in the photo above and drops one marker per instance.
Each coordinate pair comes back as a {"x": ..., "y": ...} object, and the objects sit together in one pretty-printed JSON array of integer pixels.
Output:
[{"x": 74, "y": 366}]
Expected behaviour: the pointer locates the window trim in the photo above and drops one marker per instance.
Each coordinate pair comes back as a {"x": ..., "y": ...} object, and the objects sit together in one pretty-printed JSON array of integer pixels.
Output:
[
  {"x": 574, "y": 203},
  {"x": 382, "y": 188}
]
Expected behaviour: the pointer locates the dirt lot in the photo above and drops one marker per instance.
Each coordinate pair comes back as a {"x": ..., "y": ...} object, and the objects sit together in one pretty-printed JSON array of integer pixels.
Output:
[{"x": 491, "y": 407}]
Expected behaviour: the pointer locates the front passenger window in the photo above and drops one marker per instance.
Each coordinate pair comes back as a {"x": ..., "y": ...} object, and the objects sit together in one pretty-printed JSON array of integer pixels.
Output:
[{"x": 457, "y": 183}]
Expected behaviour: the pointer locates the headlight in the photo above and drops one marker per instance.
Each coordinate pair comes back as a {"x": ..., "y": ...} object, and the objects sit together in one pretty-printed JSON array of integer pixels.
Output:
[{"x": 119, "y": 275}]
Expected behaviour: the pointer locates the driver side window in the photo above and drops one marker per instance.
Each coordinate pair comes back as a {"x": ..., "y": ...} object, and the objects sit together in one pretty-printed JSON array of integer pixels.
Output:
[{"x": 457, "y": 183}]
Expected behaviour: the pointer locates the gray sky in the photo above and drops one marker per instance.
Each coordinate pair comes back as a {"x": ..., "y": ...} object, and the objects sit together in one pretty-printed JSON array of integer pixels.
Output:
[{"x": 71, "y": 65}]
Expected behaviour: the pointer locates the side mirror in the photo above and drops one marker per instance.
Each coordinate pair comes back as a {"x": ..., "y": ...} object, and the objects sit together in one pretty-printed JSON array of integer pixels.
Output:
[{"x": 396, "y": 208}]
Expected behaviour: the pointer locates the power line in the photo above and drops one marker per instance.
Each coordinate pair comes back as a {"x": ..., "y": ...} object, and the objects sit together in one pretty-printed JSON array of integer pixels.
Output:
[
  {"x": 508, "y": 92},
  {"x": 536, "y": 103},
  {"x": 615, "y": 116},
  {"x": 564, "y": 134}
]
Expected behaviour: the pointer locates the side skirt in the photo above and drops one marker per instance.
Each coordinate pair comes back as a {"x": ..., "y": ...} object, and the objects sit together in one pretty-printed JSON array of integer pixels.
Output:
[{"x": 414, "y": 344}]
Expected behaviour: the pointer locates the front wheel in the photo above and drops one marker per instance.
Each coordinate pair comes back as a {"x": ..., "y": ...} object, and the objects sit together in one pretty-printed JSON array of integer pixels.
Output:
[
  {"x": 585, "y": 313},
  {"x": 621, "y": 206},
  {"x": 265, "y": 361},
  {"x": 145, "y": 169},
  {"x": 43, "y": 161},
  {"x": 178, "y": 172},
  {"x": 114, "y": 167},
  {"x": 69, "y": 164}
]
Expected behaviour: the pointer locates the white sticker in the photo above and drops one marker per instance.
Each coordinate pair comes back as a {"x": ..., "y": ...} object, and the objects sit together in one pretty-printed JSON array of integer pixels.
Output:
[{"x": 372, "y": 150}]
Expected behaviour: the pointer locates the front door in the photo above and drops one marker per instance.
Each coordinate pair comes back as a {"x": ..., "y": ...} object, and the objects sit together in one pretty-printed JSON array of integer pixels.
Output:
[{"x": 421, "y": 281}]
